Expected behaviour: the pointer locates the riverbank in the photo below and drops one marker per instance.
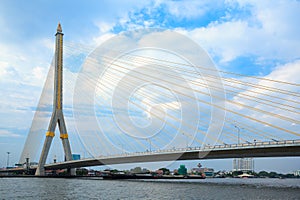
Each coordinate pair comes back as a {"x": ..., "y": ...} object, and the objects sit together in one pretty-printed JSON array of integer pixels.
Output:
[{"x": 109, "y": 177}]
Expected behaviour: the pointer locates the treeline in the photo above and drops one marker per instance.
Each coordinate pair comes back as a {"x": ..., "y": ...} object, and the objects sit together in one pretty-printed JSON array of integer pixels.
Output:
[{"x": 264, "y": 174}]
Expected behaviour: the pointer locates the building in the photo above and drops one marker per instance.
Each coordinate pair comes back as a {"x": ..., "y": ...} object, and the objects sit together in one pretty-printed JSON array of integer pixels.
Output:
[
  {"x": 182, "y": 170},
  {"x": 243, "y": 164},
  {"x": 75, "y": 156},
  {"x": 297, "y": 173},
  {"x": 209, "y": 172}
]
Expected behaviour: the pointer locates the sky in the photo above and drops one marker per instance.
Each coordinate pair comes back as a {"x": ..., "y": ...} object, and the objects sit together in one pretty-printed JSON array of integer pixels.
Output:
[{"x": 259, "y": 38}]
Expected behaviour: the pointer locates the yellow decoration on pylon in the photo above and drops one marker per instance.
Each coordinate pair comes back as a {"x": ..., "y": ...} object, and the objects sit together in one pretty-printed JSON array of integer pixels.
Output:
[
  {"x": 50, "y": 134},
  {"x": 64, "y": 135}
]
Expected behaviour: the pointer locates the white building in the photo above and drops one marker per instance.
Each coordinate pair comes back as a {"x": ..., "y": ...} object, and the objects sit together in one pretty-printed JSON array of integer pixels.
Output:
[{"x": 243, "y": 164}]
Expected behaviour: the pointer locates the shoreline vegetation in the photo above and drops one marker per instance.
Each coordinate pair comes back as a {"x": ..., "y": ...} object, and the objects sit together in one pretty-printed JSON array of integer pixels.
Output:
[{"x": 139, "y": 173}]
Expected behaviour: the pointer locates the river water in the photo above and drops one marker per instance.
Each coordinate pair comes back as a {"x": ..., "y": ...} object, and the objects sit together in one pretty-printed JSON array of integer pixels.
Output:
[{"x": 59, "y": 188}]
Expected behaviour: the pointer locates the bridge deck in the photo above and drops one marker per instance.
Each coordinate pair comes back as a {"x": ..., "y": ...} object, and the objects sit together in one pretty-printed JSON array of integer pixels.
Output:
[{"x": 262, "y": 149}]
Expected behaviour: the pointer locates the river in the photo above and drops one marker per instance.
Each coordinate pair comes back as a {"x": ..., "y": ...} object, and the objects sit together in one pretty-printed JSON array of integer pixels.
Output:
[{"x": 59, "y": 188}]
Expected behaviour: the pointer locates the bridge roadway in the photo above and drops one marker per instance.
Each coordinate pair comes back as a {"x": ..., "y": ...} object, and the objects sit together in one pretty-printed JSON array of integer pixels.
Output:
[{"x": 259, "y": 149}]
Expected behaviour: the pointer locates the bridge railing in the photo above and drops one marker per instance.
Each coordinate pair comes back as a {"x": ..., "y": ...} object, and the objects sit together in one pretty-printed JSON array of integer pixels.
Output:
[
  {"x": 209, "y": 147},
  {"x": 255, "y": 144}
]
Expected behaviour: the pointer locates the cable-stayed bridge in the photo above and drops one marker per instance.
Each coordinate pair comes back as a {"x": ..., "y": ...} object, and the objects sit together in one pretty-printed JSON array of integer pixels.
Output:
[{"x": 158, "y": 93}]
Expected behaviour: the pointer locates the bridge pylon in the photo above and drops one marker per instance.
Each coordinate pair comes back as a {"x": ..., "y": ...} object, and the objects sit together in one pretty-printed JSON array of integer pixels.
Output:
[{"x": 57, "y": 114}]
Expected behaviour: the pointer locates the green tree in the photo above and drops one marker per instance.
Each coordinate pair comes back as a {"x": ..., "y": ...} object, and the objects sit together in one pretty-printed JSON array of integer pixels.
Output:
[
  {"x": 165, "y": 170},
  {"x": 273, "y": 175},
  {"x": 81, "y": 172},
  {"x": 290, "y": 176},
  {"x": 236, "y": 173},
  {"x": 263, "y": 174},
  {"x": 114, "y": 171}
]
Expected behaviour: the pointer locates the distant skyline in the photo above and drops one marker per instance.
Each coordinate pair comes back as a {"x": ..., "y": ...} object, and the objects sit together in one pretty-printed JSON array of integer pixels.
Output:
[{"x": 259, "y": 38}]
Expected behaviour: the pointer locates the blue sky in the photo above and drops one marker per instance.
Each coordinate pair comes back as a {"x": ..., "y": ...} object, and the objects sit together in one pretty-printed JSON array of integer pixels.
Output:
[{"x": 258, "y": 38}]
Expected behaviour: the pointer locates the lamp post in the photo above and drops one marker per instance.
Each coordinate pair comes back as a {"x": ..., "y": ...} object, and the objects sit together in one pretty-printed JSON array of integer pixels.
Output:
[
  {"x": 27, "y": 165},
  {"x": 7, "y": 165}
]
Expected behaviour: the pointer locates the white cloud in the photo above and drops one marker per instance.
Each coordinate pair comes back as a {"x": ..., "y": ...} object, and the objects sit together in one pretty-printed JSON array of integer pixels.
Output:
[
  {"x": 102, "y": 38},
  {"x": 23, "y": 71},
  {"x": 230, "y": 40},
  {"x": 39, "y": 73},
  {"x": 105, "y": 32},
  {"x": 190, "y": 9},
  {"x": 288, "y": 73},
  {"x": 48, "y": 43},
  {"x": 104, "y": 26},
  {"x": 6, "y": 133},
  {"x": 3, "y": 71},
  {"x": 25, "y": 65},
  {"x": 270, "y": 32},
  {"x": 227, "y": 40}
]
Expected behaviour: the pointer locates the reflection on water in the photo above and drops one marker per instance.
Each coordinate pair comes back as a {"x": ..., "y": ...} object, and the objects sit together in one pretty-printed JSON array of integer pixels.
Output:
[{"x": 50, "y": 188}]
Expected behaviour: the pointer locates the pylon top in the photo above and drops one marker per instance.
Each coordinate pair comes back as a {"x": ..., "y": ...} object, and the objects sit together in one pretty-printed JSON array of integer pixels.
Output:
[{"x": 59, "y": 29}]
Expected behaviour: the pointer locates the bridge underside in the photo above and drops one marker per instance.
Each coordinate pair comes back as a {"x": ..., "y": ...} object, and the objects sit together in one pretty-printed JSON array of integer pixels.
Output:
[{"x": 283, "y": 151}]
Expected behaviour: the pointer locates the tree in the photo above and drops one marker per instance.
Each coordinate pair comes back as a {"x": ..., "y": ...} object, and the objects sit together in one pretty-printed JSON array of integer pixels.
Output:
[
  {"x": 81, "y": 172},
  {"x": 236, "y": 173},
  {"x": 165, "y": 170},
  {"x": 263, "y": 174},
  {"x": 114, "y": 171},
  {"x": 273, "y": 175},
  {"x": 290, "y": 176}
]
